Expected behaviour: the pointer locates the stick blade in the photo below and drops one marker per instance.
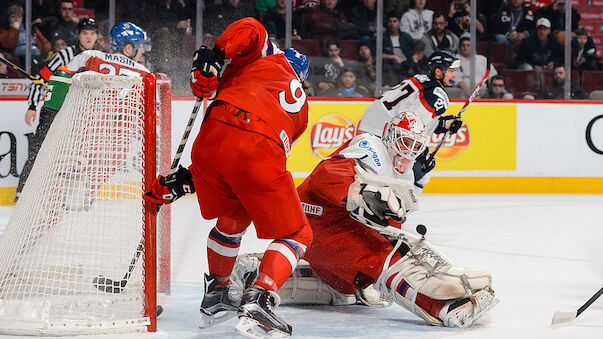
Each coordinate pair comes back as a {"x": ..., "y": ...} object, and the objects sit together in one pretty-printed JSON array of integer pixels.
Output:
[{"x": 563, "y": 317}]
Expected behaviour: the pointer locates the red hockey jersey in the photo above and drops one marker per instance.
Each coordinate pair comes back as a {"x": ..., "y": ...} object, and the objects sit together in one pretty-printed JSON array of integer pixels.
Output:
[{"x": 260, "y": 80}]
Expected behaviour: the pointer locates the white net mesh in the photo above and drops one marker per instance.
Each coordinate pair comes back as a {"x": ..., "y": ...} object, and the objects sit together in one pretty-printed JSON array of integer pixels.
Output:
[{"x": 80, "y": 218}]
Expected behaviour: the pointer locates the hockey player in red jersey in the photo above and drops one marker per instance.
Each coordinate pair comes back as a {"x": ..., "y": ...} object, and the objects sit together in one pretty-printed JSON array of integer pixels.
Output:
[
  {"x": 239, "y": 170},
  {"x": 356, "y": 201},
  {"x": 423, "y": 94}
]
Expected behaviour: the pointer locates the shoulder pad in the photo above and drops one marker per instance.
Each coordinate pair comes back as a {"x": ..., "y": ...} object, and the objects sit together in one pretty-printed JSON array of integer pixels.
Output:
[
  {"x": 437, "y": 98},
  {"x": 369, "y": 148},
  {"x": 423, "y": 78}
]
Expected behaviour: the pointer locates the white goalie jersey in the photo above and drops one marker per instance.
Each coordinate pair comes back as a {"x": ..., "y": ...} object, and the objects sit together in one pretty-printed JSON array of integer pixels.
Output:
[
  {"x": 419, "y": 94},
  {"x": 372, "y": 156}
]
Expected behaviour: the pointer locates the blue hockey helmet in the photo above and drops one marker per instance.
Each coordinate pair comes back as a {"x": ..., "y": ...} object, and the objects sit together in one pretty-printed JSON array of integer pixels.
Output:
[
  {"x": 299, "y": 62},
  {"x": 442, "y": 60},
  {"x": 126, "y": 32}
]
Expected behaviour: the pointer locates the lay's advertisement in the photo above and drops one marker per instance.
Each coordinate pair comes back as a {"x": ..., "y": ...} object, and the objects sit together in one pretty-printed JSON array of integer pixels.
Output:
[
  {"x": 503, "y": 147},
  {"x": 485, "y": 142}
]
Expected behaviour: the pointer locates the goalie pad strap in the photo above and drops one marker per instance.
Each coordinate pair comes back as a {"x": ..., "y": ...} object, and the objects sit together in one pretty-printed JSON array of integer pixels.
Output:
[
  {"x": 425, "y": 270},
  {"x": 305, "y": 287}
]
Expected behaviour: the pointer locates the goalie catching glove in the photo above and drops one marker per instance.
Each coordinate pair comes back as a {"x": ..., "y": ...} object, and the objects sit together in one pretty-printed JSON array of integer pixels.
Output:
[
  {"x": 207, "y": 65},
  {"x": 165, "y": 190},
  {"x": 372, "y": 205},
  {"x": 380, "y": 202}
]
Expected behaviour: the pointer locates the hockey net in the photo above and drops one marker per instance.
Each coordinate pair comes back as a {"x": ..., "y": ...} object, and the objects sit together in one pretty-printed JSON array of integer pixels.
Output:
[{"x": 79, "y": 254}]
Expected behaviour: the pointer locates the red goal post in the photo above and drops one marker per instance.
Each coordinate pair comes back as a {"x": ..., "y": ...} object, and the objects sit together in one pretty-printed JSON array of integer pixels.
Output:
[{"x": 81, "y": 250}]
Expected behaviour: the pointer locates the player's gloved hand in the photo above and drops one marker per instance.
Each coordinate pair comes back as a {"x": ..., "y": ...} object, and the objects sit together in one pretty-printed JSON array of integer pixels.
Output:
[
  {"x": 207, "y": 65},
  {"x": 374, "y": 205},
  {"x": 423, "y": 165},
  {"x": 448, "y": 123},
  {"x": 165, "y": 190}
]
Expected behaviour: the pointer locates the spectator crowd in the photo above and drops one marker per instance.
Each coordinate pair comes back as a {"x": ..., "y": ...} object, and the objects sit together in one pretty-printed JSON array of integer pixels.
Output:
[{"x": 519, "y": 36}]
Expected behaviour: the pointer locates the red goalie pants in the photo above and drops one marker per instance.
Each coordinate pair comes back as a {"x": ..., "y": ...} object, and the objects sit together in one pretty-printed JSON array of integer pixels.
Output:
[{"x": 347, "y": 254}]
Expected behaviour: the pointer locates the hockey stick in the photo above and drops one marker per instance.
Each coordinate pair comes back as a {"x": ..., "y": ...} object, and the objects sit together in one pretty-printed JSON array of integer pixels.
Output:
[
  {"x": 22, "y": 72},
  {"x": 563, "y": 317},
  {"x": 117, "y": 286},
  {"x": 467, "y": 102}
]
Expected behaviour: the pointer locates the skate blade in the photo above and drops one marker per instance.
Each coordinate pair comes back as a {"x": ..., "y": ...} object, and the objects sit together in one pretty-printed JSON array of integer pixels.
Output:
[
  {"x": 222, "y": 316},
  {"x": 470, "y": 320},
  {"x": 251, "y": 328}
]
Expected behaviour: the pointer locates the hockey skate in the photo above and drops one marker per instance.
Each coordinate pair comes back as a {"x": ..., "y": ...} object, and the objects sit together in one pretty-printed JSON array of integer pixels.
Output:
[
  {"x": 257, "y": 318},
  {"x": 219, "y": 303},
  {"x": 373, "y": 298},
  {"x": 464, "y": 312}
]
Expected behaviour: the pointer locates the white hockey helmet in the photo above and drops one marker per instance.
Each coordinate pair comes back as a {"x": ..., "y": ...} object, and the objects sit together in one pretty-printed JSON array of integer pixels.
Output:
[{"x": 405, "y": 137}]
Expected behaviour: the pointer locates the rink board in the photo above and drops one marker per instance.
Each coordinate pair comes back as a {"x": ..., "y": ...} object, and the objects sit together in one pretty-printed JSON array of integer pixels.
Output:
[{"x": 505, "y": 147}]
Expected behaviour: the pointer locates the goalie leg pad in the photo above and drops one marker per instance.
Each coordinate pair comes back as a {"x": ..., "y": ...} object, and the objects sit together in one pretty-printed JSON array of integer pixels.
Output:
[
  {"x": 423, "y": 269},
  {"x": 302, "y": 287}
]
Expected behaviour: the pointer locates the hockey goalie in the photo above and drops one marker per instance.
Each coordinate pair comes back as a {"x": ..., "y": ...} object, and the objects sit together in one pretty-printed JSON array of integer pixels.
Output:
[{"x": 356, "y": 201}]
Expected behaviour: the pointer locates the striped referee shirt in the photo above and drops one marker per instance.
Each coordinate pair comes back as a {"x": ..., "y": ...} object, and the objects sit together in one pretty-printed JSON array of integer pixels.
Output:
[{"x": 38, "y": 92}]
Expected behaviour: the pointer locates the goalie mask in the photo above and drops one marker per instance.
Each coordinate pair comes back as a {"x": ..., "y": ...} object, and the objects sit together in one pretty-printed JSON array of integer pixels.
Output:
[{"x": 405, "y": 137}]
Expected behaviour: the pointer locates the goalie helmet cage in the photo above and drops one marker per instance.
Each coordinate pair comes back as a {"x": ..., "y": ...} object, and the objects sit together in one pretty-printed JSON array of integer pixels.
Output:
[{"x": 81, "y": 215}]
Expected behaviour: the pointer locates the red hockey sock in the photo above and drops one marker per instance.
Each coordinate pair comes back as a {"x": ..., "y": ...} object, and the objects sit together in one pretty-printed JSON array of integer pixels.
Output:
[
  {"x": 281, "y": 257},
  {"x": 432, "y": 306},
  {"x": 222, "y": 251}
]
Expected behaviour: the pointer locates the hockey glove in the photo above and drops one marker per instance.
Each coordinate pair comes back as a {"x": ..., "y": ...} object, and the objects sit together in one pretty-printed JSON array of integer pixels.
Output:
[
  {"x": 207, "y": 65},
  {"x": 165, "y": 190},
  {"x": 448, "y": 123},
  {"x": 373, "y": 205},
  {"x": 423, "y": 165}
]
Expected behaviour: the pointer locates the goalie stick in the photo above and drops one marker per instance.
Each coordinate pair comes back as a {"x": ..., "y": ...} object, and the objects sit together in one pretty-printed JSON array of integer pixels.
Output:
[
  {"x": 117, "y": 286},
  {"x": 563, "y": 317},
  {"x": 467, "y": 102},
  {"x": 22, "y": 72}
]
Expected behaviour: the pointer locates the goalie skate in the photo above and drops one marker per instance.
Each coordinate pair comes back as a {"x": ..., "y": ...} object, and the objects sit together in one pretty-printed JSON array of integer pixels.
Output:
[
  {"x": 373, "y": 298},
  {"x": 464, "y": 312},
  {"x": 257, "y": 318},
  {"x": 219, "y": 303}
]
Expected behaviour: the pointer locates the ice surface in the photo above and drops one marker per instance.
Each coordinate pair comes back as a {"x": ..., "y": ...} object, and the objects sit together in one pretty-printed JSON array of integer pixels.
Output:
[{"x": 544, "y": 252}]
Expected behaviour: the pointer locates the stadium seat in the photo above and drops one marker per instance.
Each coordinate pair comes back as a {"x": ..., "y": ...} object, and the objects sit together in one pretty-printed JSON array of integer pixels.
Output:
[
  {"x": 438, "y": 5},
  {"x": 11, "y": 72},
  {"x": 349, "y": 49},
  {"x": 520, "y": 82},
  {"x": 500, "y": 67},
  {"x": 498, "y": 51},
  {"x": 548, "y": 78},
  {"x": 310, "y": 47},
  {"x": 596, "y": 95},
  {"x": 592, "y": 80}
]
